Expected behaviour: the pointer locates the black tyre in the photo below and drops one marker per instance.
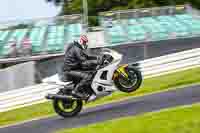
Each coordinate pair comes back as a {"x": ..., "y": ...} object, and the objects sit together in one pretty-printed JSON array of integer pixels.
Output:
[
  {"x": 132, "y": 83},
  {"x": 68, "y": 107}
]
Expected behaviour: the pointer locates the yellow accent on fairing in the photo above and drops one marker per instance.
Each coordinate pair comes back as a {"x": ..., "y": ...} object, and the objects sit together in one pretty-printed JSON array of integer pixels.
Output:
[{"x": 120, "y": 70}]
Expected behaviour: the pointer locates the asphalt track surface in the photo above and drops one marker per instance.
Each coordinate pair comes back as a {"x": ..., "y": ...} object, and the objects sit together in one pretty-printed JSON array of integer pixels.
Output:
[{"x": 131, "y": 107}]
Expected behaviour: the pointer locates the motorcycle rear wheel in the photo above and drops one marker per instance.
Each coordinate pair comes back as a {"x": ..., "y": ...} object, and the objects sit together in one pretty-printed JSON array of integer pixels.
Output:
[
  {"x": 67, "y": 108},
  {"x": 132, "y": 83}
]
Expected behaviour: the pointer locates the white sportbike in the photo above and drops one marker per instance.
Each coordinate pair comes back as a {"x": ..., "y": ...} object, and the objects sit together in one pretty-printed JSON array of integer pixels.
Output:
[{"x": 108, "y": 77}]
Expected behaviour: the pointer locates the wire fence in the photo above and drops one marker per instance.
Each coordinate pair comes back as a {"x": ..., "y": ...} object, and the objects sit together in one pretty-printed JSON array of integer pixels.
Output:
[
  {"x": 150, "y": 24},
  {"x": 39, "y": 36}
]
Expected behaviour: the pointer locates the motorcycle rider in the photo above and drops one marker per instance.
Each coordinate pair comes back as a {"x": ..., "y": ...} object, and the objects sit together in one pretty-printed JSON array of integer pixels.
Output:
[{"x": 77, "y": 62}]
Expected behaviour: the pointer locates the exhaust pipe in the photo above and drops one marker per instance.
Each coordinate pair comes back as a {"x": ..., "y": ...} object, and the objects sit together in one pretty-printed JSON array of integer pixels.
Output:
[{"x": 61, "y": 97}]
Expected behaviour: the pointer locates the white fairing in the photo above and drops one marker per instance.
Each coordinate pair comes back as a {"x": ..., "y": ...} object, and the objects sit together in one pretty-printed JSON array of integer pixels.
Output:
[
  {"x": 55, "y": 80},
  {"x": 107, "y": 85}
]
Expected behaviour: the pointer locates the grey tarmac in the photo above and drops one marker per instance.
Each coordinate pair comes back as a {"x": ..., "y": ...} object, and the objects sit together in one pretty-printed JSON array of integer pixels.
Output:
[{"x": 130, "y": 107}]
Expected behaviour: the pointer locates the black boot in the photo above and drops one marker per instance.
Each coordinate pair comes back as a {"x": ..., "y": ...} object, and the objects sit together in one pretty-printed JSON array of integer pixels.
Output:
[
  {"x": 83, "y": 83},
  {"x": 76, "y": 92}
]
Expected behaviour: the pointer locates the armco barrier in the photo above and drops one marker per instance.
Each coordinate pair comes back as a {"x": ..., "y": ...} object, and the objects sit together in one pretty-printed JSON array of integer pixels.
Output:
[{"x": 150, "y": 68}]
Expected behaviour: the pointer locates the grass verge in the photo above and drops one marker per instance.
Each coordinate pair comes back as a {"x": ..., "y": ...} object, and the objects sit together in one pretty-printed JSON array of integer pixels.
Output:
[
  {"x": 175, "y": 120},
  {"x": 152, "y": 85}
]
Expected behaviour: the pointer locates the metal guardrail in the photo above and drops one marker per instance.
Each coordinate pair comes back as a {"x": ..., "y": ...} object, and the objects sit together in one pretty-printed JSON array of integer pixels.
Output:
[{"x": 150, "y": 68}]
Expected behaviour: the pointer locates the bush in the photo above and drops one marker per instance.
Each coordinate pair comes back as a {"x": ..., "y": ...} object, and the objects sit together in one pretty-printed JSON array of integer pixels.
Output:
[{"x": 93, "y": 21}]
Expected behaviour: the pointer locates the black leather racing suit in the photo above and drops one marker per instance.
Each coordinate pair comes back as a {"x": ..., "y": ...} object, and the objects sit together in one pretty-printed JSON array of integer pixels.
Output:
[{"x": 77, "y": 63}]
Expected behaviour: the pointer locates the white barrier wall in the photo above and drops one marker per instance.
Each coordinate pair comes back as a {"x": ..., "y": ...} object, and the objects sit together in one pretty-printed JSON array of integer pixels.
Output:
[{"x": 17, "y": 76}]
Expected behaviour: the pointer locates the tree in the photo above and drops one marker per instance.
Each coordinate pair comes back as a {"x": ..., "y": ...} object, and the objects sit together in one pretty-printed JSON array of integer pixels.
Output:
[{"x": 96, "y": 6}]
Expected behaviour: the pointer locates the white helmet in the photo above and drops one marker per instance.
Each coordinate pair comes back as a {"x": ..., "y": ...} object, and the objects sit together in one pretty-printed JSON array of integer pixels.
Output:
[{"x": 83, "y": 40}]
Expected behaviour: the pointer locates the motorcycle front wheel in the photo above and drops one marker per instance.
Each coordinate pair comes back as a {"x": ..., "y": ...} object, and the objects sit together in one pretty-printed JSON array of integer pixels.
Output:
[
  {"x": 67, "y": 107},
  {"x": 131, "y": 83}
]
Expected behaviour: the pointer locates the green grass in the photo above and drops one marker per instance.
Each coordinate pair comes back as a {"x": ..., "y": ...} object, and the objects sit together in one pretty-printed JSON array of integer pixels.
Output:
[
  {"x": 151, "y": 85},
  {"x": 175, "y": 120}
]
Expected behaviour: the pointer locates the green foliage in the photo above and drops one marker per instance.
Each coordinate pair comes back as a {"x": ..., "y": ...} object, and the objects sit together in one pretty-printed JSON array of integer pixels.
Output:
[
  {"x": 19, "y": 26},
  {"x": 94, "y": 7},
  {"x": 195, "y": 3},
  {"x": 93, "y": 20}
]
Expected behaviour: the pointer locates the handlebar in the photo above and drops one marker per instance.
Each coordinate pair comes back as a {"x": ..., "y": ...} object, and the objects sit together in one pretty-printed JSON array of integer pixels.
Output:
[{"x": 104, "y": 62}]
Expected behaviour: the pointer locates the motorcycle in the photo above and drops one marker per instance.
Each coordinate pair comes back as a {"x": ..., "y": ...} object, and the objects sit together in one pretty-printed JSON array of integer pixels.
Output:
[{"x": 109, "y": 76}]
